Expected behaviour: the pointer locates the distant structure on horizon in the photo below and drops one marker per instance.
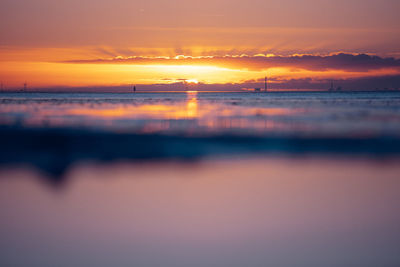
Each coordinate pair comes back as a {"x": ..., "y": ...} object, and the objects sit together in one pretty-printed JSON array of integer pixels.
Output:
[
  {"x": 134, "y": 88},
  {"x": 339, "y": 88},
  {"x": 331, "y": 89},
  {"x": 25, "y": 87},
  {"x": 265, "y": 86}
]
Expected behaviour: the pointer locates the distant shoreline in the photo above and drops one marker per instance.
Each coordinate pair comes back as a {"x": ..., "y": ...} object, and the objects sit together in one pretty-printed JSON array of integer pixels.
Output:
[{"x": 201, "y": 91}]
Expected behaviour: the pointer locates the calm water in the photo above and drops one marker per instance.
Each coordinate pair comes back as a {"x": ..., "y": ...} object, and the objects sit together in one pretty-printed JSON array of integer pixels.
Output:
[
  {"x": 307, "y": 113},
  {"x": 177, "y": 179}
]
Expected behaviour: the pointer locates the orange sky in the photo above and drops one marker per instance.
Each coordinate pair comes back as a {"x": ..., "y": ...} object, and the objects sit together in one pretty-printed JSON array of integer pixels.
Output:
[{"x": 71, "y": 43}]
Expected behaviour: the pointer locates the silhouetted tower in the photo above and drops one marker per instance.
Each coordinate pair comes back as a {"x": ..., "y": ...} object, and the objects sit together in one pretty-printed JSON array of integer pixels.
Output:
[
  {"x": 25, "y": 86},
  {"x": 265, "y": 84},
  {"x": 134, "y": 88},
  {"x": 331, "y": 89}
]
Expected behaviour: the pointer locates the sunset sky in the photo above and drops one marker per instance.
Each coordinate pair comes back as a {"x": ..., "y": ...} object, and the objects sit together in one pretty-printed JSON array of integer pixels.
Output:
[{"x": 95, "y": 43}]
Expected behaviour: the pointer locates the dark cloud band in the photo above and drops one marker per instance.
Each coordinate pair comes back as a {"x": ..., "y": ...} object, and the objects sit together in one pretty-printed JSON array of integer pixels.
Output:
[{"x": 344, "y": 62}]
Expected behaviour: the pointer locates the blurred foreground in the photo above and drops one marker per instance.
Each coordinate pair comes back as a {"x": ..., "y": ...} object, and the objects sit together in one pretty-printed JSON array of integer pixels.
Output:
[
  {"x": 200, "y": 179},
  {"x": 53, "y": 131},
  {"x": 248, "y": 212}
]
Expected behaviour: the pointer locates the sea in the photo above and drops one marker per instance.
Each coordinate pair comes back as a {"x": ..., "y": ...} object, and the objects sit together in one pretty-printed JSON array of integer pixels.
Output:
[{"x": 200, "y": 179}]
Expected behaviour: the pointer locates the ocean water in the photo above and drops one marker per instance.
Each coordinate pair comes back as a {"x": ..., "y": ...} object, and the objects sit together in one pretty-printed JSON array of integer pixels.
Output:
[
  {"x": 200, "y": 179},
  {"x": 196, "y": 113}
]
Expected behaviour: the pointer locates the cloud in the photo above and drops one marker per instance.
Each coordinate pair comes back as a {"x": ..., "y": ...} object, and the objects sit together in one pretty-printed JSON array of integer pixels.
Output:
[{"x": 342, "y": 61}]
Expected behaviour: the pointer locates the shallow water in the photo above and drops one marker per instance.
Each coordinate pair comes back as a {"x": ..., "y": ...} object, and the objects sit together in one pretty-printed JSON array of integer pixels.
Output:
[
  {"x": 253, "y": 212},
  {"x": 200, "y": 179},
  {"x": 290, "y": 113}
]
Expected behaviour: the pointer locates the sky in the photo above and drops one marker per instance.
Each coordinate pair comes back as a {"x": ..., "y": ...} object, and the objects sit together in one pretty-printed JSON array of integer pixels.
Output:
[{"x": 90, "y": 43}]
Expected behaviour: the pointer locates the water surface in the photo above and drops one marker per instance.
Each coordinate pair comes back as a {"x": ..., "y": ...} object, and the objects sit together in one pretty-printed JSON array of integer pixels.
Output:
[
  {"x": 200, "y": 179},
  {"x": 294, "y": 113},
  {"x": 255, "y": 212}
]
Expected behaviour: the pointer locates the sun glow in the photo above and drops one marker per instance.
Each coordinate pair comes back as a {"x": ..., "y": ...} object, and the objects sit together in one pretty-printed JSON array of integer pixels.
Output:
[
  {"x": 192, "y": 81},
  {"x": 40, "y": 75}
]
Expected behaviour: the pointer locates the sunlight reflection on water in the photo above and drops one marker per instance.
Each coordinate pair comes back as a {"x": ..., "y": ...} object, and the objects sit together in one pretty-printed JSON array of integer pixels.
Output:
[
  {"x": 196, "y": 112},
  {"x": 114, "y": 195}
]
